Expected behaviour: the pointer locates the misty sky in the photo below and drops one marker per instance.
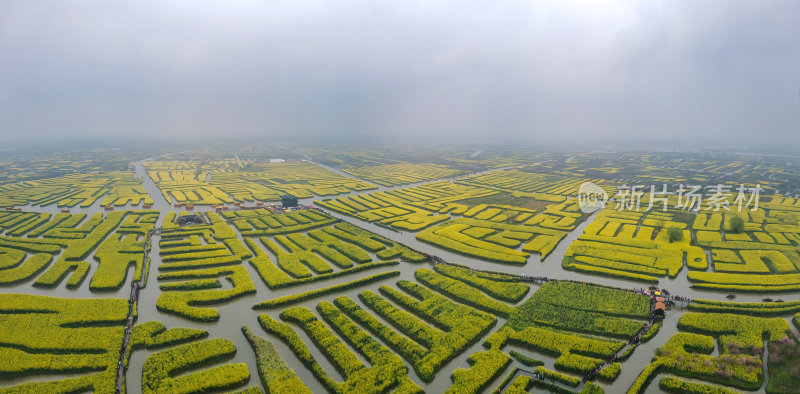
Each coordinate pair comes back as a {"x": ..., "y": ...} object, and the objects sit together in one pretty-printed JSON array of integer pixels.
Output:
[{"x": 476, "y": 70}]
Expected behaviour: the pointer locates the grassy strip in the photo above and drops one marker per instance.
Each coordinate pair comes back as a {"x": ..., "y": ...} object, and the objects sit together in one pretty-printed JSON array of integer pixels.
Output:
[
  {"x": 590, "y": 269},
  {"x": 748, "y": 308},
  {"x": 154, "y": 334},
  {"x": 298, "y": 297},
  {"x": 159, "y": 368},
  {"x": 677, "y": 385},
  {"x": 462, "y": 292},
  {"x": 485, "y": 366},
  {"x": 276, "y": 376},
  {"x": 189, "y": 304},
  {"x": 525, "y": 360},
  {"x": 497, "y": 286},
  {"x": 276, "y": 278}
]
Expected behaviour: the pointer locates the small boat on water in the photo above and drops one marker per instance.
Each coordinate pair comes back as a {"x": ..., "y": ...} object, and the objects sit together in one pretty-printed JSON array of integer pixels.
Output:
[
  {"x": 730, "y": 296},
  {"x": 767, "y": 299}
]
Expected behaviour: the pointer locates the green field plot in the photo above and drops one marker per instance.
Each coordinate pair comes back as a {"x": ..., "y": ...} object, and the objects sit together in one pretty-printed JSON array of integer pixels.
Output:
[
  {"x": 579, "y": 324},
  {"x": 417, "y": 321},
  {"x": 526, "y": 180},
  {"x": 638, "y": 246},
  {"x": 276, "y": 375},
  {"x": 159, "y": 368},
  {"x": 154, "y": 335},
  {"x": 190, "y": 274},
  {"x": 177, "y": 350},
  {"x": 447, "y": 309},
  {"x": 484, "y": 366},
  {"x": 402, "y": 174},
  {"x": 80, "y": 338},
  {"x": 491, "y": 241},
  {"x": 187, "y": 182},
  {"x": 72, "y": 246},
  {"x": 505, "y": 240},
  {"x": 634, "y": 245},
  {"x": 256, "y": 298},
  {"x": 411, "y": 209},
  {"x": 583, "y": 308},
  {"x": 495, "y": 232},
  {"x": 740, "y": 344},
  {"x": 386, "y": 369},
  {"x": 324, "y": 252},
  {"x": 196, "y": 258},
  {"x": 107, "y": 188},
  {"x": 762, "y": 257}
]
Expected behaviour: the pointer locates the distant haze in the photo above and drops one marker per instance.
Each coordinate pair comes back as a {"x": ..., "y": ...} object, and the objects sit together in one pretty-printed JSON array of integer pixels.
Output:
[{"x": 493, "y": 70}]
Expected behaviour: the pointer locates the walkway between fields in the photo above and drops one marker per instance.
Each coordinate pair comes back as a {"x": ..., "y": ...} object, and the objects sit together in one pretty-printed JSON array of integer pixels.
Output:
[
  {"x": 543, "y": 378},
  {"x": 132, "y": 309}
]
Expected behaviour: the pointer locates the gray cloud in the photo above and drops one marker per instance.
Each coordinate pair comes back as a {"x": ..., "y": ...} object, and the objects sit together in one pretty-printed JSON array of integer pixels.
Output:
[{"x": 538, "y": 70}]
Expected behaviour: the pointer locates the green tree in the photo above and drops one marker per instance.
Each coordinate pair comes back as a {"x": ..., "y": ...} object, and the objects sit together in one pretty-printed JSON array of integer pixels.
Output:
[
  {"x": 737, "y": 224},
  {"x": 675, "y": 234}
]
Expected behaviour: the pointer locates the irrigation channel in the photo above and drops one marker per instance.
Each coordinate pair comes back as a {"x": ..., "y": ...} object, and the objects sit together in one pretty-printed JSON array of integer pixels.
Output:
[{"x": 238, "y": 312}]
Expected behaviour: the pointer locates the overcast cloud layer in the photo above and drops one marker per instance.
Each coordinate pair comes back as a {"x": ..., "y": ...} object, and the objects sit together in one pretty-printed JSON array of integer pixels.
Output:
[{"x": 536, "y": 70}]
